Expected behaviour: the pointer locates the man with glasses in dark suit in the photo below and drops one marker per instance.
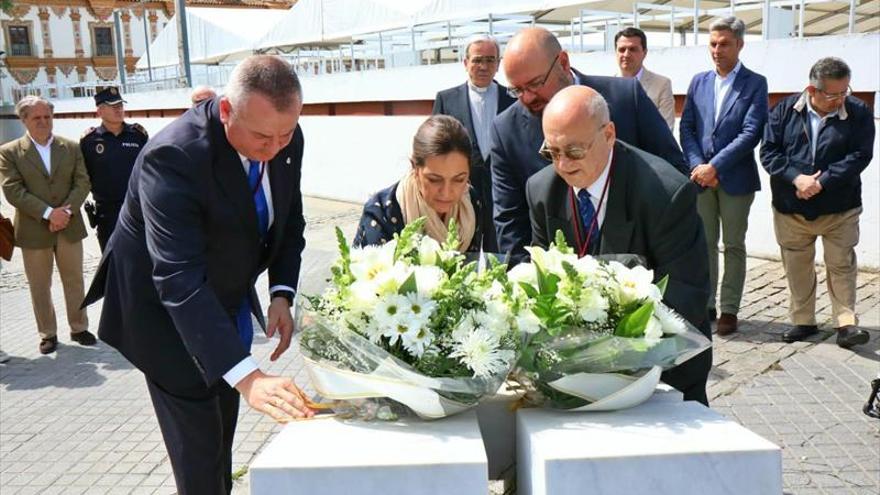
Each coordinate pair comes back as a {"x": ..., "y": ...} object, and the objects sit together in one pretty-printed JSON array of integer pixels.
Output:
[{"x": 537, "y": 68}]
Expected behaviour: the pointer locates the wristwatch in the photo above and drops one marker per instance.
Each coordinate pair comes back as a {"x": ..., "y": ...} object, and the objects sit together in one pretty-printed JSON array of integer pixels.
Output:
[{"x": 286, "y": 294}]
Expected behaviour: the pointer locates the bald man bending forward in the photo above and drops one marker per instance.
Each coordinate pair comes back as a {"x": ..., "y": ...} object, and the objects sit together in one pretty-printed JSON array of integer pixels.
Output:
[{"x": 650, "y": 210}]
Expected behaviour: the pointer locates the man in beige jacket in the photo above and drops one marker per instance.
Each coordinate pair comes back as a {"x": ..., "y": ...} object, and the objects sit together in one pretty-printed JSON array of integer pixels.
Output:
[
  {"x": 632, "y": 48},
  {"x": 44, "y": 177}
]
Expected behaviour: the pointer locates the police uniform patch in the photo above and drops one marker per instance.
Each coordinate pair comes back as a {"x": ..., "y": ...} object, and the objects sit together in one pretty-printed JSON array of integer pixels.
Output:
[
  {"x": 88, "y": 131},
  {"x": 99, "y": 148}
]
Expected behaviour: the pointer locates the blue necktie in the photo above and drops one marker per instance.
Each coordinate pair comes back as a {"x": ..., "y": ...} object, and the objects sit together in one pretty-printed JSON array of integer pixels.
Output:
[
  {"x": 244, "y": 322},
  {"x": 587, "y": 212}
]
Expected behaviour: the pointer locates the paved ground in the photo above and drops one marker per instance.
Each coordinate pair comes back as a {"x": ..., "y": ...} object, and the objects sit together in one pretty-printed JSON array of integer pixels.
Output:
[{"x": 80, "y": 421}]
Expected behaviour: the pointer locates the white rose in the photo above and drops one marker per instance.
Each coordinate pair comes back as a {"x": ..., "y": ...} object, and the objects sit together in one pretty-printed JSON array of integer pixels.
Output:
[
  {"x": 527, "y": 322},
  {"x": 636, "y": 284},
  {"x": 429, "y": 251},
  {"x": 654, "y": 331}
]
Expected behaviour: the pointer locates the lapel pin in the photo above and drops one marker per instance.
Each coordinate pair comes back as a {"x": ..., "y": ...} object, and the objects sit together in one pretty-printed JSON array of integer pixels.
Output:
[{"x": 288, "y": 160}]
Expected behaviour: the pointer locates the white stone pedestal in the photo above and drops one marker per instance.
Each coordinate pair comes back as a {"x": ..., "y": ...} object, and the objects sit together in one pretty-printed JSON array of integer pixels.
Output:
[
  {"x": 497, "y": 419},
  {"x": 334, "y": 457},
  {"x": 660, "y": 447}
]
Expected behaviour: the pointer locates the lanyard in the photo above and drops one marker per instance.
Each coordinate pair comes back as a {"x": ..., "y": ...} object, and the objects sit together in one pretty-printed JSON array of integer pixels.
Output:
[{"x": 576, "y": 222}]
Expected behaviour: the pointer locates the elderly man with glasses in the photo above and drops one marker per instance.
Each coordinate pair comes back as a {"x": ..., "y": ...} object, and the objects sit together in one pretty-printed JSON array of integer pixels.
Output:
[
  {"x": 475, "y": 103},
  {"x": 537, "y": 68},
  {"x": 608, "y": 197},
  {"x": 816, "y": 144}
]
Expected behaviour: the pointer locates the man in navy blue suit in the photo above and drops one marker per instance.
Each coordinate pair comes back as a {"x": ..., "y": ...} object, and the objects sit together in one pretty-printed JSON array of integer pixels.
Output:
[
  {"x": 475, "y": 104},
  {"x": 537, "y": 68},
  {"x": 722, "y": 122},
  {"x": 213, "y": 201}
]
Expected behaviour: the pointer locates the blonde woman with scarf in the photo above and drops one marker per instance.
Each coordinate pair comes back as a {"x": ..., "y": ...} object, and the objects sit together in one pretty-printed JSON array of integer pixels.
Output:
[{"x": 436, "y": 187}]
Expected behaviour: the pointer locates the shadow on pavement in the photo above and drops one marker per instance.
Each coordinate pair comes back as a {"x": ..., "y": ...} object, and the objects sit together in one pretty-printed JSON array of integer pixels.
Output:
[{"x": 71, "y": 366}]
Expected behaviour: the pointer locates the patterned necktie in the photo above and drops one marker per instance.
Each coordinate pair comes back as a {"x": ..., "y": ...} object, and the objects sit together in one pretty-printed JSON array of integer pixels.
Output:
[
  {"x": 587, "y": 212},
  {"x": 244, "y": 322}
]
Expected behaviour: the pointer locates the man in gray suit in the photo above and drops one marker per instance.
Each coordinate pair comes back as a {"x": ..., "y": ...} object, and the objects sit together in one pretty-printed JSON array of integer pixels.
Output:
[
  {"x": 475, "y": 103},
  {"x": 608, "y": 197}
]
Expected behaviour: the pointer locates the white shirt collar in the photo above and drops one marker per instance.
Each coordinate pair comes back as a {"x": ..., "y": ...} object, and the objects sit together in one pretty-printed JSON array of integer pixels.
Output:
[
  {"x": 639, "y": 73},
  {"x": 732, "y": 73},
  {"x": 473, "y": 87},
  {"x": 38, "y": 145},
  {"x": 816, "y": 114}
]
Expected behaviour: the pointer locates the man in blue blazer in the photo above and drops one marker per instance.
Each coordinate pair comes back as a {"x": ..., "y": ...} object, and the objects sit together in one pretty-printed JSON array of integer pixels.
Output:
[
  {"x": 475, "y": 104},
  {"x": 213, "y": 201},
  {"x": 537, "y": 68},
  {"x": 721, "y": 124}
]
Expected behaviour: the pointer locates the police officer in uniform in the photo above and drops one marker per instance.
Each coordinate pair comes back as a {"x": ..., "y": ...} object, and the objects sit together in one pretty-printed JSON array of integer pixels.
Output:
[{"x": 110, "y": 151}]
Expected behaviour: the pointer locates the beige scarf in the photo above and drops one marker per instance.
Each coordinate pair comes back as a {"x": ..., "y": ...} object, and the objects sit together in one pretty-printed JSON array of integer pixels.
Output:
[{"x": 413, "y": 206}]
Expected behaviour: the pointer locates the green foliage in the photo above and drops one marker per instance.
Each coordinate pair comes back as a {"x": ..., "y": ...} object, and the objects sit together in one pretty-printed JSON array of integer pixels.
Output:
[
  {"x": 451, "y": 243},
  {"x": 662, "y": 284},
  {"x": 406, "y": 240},
  {"x": 634, "y": 324},
  {"x": 561, "y": 245}
]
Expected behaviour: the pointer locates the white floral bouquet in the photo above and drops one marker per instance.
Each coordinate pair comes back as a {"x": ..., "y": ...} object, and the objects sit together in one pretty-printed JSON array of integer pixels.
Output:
[
  {"x": 593, "y": 328},
  {"x": 409, "y": 321}
]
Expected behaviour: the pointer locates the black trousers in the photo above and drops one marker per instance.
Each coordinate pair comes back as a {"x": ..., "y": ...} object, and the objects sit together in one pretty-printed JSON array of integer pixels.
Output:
[
  {"x": 198, "y": 430},
  {"x": 691, "y": 376},
  {"x": 108, "y": 214}
]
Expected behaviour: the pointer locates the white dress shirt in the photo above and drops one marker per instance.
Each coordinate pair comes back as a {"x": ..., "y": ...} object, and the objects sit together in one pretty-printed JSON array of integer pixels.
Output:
[
  {"x": 45, "y": 155},
  {"x": 595, "y": 189},
  {"x": 722, "y": 88},
  {"x": 249, "y": 364},
  {"x": 484, "y": 106}
]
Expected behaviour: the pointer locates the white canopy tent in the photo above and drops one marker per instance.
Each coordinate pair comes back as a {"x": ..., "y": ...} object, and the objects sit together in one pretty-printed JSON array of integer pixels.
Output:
[
  {"x": 364, "y": 29},
  {"x": 214, "y": 35}
]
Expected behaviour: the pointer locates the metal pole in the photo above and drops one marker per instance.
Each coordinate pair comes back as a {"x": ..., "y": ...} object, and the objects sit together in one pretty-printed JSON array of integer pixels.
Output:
[
  {"x": 801, "y": 20},
  {"x": 852, "y": 16},
  {"x": 696, "y": 22},
  {"x": 571, "y": 35},
  {"x": 765, "y": 22},
  {"x": 147, "y": 43},
  {"x": 732, "y": 7},
  {"x": 412, "y": 39},
  {"x": 605, "y": 41},
  {"x": 581, "y": 29},
  {"x": 672, "y": 26},
  {"x": 449, "y": 33},
  {"x": 183, "y": 41},
  {"x": 635, "y": 16},
  {"x": 2, "y": 97},
  {"x": 491, "y": 26},
  {"x": 120, "y": 56},
  {"x": 353, "y": 64}
]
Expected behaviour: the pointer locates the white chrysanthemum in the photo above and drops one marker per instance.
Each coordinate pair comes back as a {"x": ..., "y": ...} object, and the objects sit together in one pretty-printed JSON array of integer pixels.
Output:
[
  {"x": 420, "y": 308},
  {"x": 464, "y": 327},
  {"x": 592, "y": 307},
  {"x": 635, "y": 284},
  {"x": 416, "y": 339},
  {"x": 429, "y": 251},
  {"x": 495, "y": 291},
  {"x": 494, "y": 318},
  {"x": 587, "y": 266},
  {"x": 372, "y": 331},
  {"x": 671, "y": 322},
  {"x": 390, "y": 311},
  {"x": 654, "y": 331},
  {"x": 428, "y": 279},
  {"x": 527, "y": 322},
  {"x": 369, "y": 262},
  {"x": 478, "y": 350},
  {"x": 550, "y": 260}
]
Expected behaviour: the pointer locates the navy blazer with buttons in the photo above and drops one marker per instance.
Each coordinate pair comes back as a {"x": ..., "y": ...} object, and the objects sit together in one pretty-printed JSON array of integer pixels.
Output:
[
  {"x": 729, "y": 142},
  {"x": 187, "y": 251},
  {"x": 517, "y": 135}
]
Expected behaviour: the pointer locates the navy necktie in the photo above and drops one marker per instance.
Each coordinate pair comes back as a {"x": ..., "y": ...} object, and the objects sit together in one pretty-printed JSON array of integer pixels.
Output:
[
  {"x": 587, "y": 212},
  {"x": 244, "y": 322}
]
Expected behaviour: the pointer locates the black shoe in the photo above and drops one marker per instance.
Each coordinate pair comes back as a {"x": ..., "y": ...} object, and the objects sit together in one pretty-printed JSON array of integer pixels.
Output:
[
  {"x": 799, "y": 332},
  {"x": 83, "y": 338},
  {"x": 712, "y": 315},
  {"x": 49, "y": 345},
  {"x": 849, "y": 336}
]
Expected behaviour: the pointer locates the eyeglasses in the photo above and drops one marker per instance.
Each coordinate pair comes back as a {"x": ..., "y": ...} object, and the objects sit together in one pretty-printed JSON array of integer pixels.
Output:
[
  {"x": 572, "y": 152},
  {"x": 484, "y": 60},
  {"x": 533, "y": 86},
  {"x": 835, "y": 96}
]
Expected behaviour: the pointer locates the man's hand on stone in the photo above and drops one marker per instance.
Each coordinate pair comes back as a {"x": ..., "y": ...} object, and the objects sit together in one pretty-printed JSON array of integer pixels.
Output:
[{"x": 274, "y": 396}]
